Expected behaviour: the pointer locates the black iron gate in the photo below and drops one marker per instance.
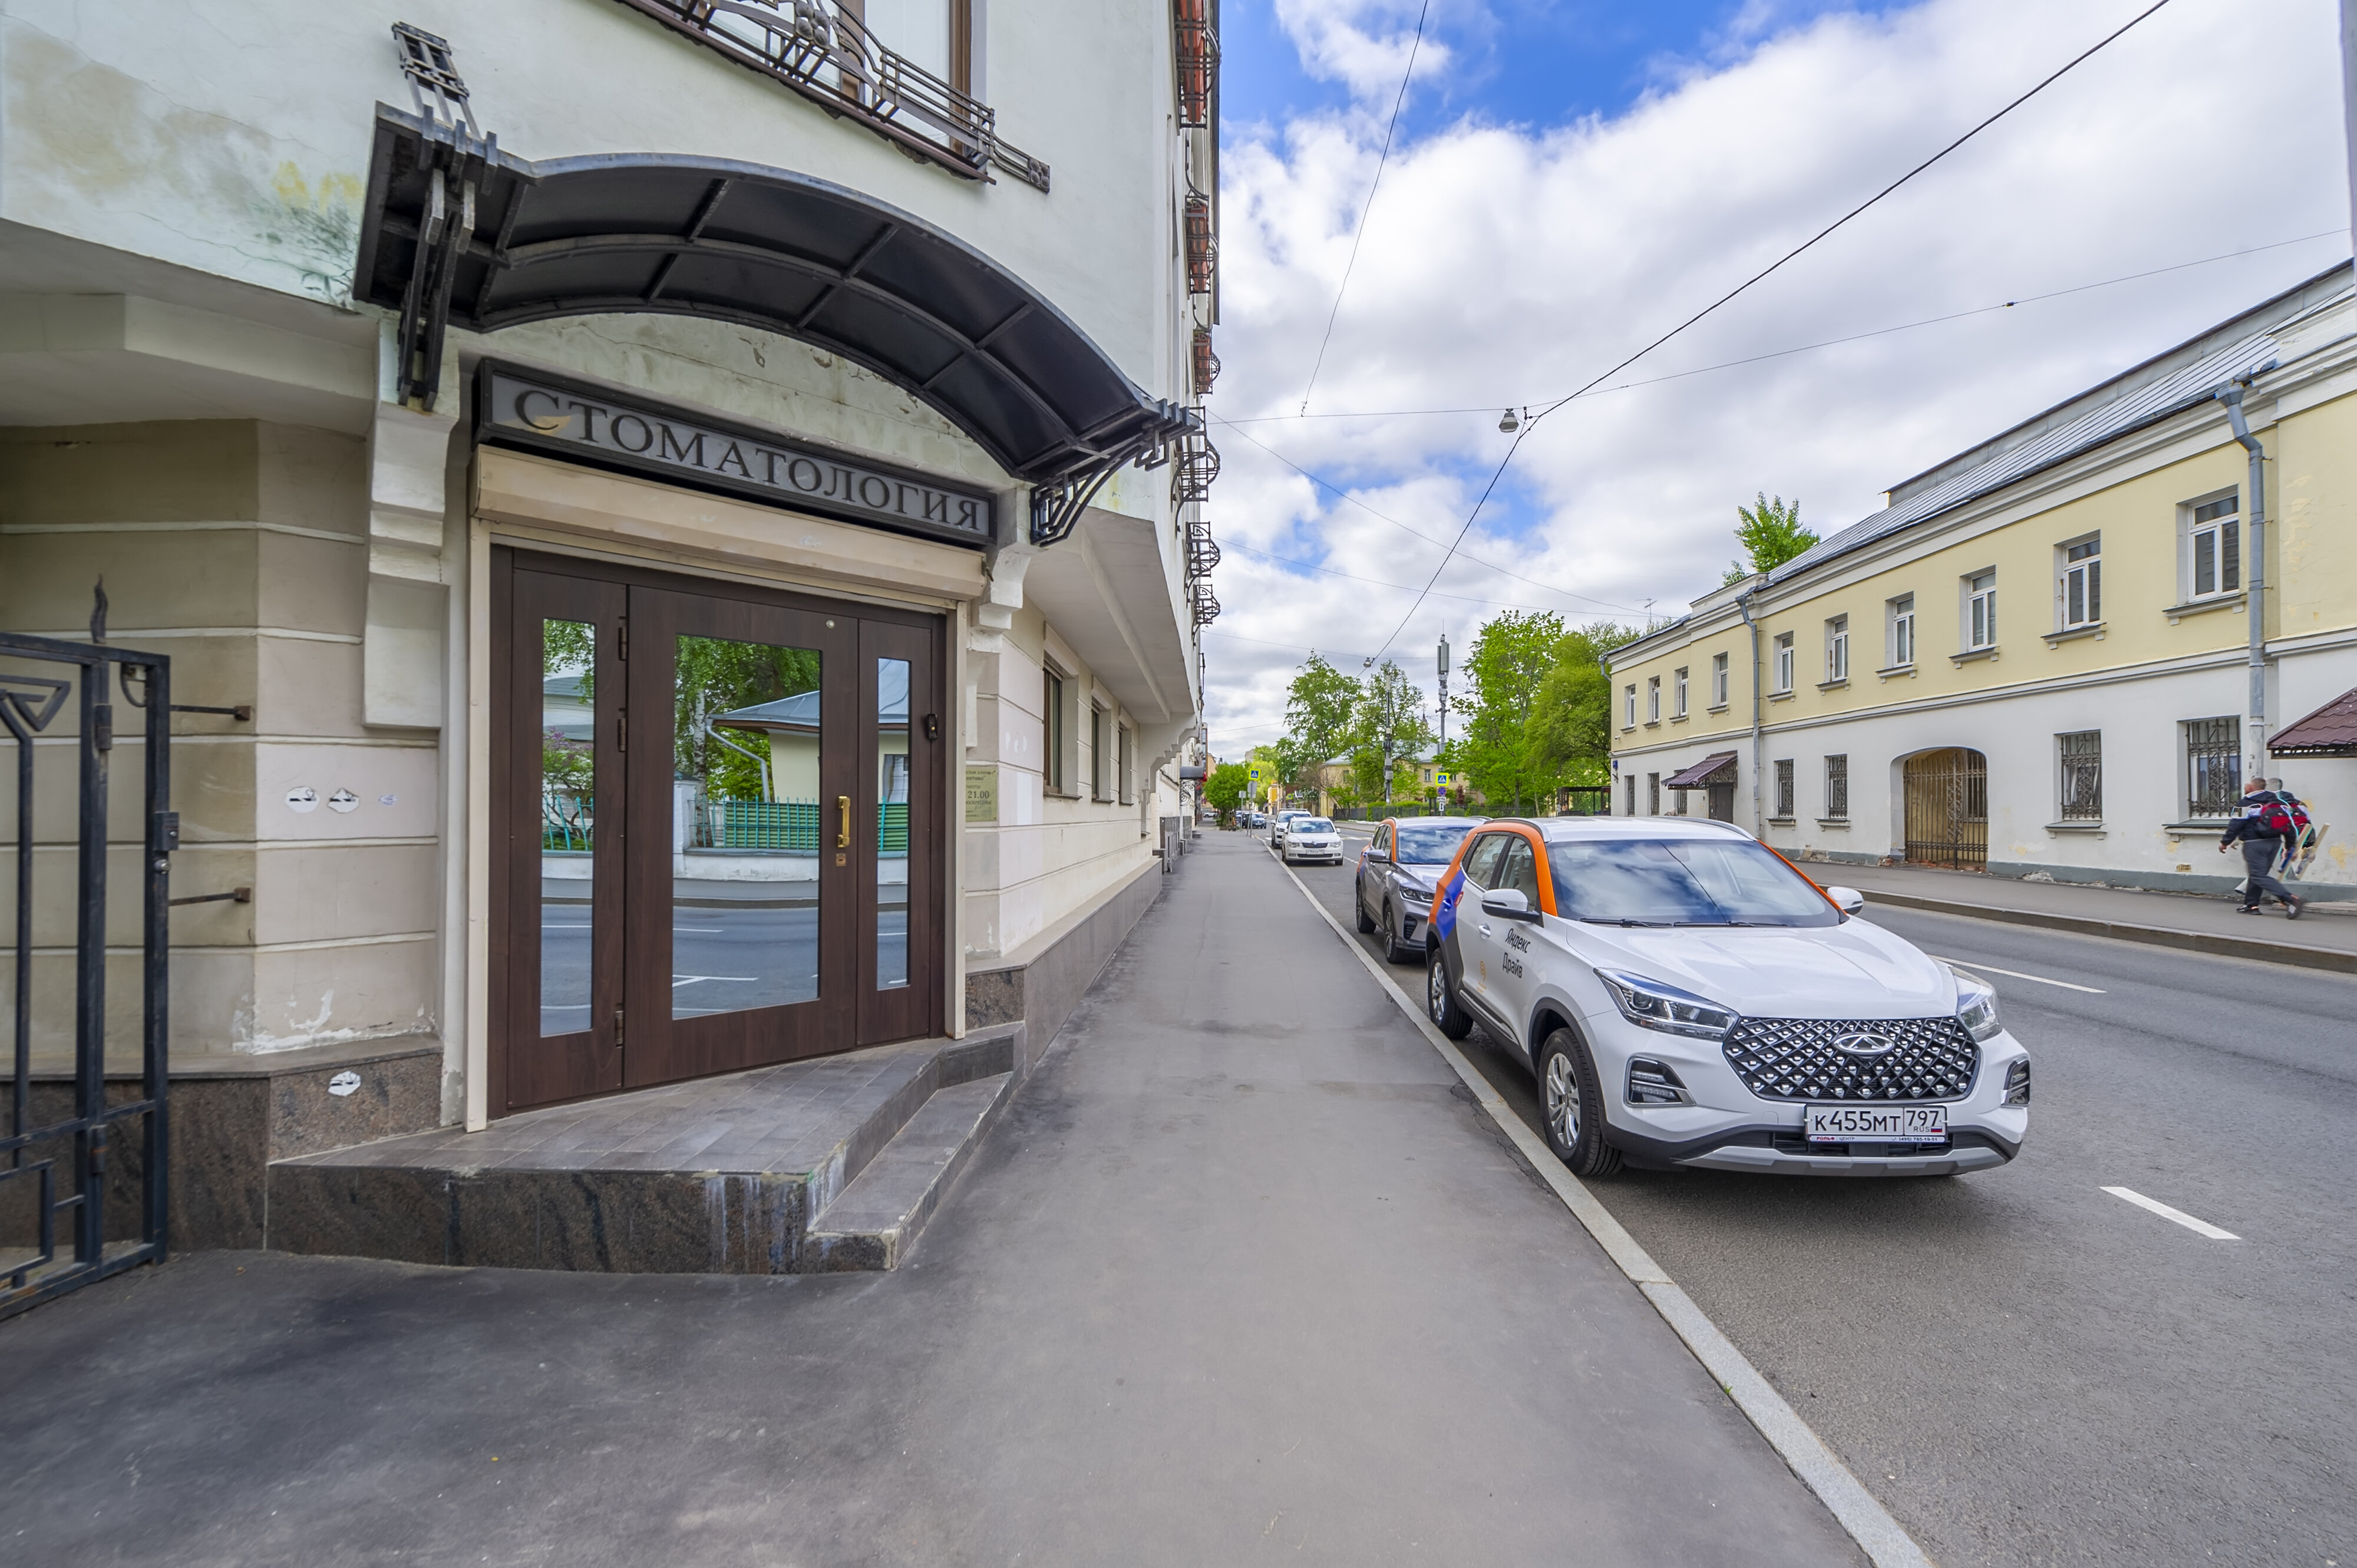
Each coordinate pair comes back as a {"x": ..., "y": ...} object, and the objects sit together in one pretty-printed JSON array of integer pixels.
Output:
[
  {"x": 1947, "y": 809},
  {"x": 67, "y": 1150}
]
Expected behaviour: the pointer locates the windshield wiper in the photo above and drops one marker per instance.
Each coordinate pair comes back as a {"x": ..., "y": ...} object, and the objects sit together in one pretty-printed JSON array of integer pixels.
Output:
[{"x": 1623, "y": 921}]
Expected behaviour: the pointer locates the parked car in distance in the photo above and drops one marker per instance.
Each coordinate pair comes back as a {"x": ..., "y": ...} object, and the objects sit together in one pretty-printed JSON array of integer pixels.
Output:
[
  {"x": 1276, "y": 826},
  {"x": 1311, "y": 838},
  {"x": 1686, "y": 998},
  {"x": 1397, "y": 871}
]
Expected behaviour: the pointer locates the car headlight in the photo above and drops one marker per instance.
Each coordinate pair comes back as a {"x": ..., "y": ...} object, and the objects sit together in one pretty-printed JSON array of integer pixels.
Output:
[
  {"x": 1975, "y": 1006},
  {"x": 1416, "y": 893},
  {"x": 1653, "y": 1005}
]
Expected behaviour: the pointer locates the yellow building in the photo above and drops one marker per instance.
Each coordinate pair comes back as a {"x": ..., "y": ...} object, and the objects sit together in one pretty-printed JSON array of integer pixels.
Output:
[{"x": 2036, "y": 659}]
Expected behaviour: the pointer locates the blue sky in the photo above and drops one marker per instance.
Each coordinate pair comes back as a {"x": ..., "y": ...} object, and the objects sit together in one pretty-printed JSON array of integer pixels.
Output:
[{"x": 1532, "y": 63}]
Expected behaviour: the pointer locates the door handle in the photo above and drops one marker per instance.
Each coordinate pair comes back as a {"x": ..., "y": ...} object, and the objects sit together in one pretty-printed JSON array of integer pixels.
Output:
[
  {"x": 842, "y": 834},
  {"x": 1485, "y": 931}
]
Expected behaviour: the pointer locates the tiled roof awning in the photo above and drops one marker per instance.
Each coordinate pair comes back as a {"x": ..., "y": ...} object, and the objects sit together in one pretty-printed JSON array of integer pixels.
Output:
[
  {"x": 1709, "y": 770},
  {"x": 457, "y": 230},
  {"x": 2330, "y": 731}
]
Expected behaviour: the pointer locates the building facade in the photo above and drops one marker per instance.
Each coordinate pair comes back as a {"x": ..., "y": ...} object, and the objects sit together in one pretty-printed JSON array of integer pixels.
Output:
[
  {"x": 697, "y": 510},
  {"x": 2039, "y": 659}
]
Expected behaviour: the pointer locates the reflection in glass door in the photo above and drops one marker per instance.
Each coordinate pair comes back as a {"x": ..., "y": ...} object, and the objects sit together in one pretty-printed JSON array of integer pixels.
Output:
[
  {"x": 746, "y": 746},
  {"x": 568, "y": 822},
  {"x": 891, "y": 824}
]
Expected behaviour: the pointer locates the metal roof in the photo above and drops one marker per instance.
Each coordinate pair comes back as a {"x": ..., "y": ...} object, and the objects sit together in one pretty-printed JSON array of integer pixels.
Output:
[{"x": 2330, "y": 731}]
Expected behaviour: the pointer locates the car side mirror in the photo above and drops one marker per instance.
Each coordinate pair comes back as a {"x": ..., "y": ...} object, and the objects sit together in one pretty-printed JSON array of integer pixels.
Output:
[
  {"x": 1848, "y": 900},
  {"x": 1508, "y": 903}
]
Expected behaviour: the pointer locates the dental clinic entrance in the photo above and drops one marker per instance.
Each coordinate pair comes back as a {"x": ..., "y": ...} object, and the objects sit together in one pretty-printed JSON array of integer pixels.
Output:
[{"x": 718, "y": 827}]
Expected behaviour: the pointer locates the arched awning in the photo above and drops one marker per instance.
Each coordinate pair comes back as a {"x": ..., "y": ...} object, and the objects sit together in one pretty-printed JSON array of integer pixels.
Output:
[{"x": 457, "y": 231}]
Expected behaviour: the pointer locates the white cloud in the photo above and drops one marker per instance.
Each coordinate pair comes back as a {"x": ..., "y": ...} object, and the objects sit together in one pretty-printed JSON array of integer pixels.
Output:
[
  {"x": 1363, "y": 44},
  {"x": 1506, "y": 265}
]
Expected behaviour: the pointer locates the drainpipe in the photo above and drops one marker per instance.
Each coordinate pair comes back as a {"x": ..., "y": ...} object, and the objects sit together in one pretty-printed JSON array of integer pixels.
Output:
[
  {"x": 2255, "y": 561},
  {"x": 1759, "y": 814}
]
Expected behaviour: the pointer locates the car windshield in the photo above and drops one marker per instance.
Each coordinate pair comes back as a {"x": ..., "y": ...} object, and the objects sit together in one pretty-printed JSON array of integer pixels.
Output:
[
  {"x": 1312, "y": 826},
  {"x": 1434, "y": 845},
  {"x": 1682, "y": 882}
]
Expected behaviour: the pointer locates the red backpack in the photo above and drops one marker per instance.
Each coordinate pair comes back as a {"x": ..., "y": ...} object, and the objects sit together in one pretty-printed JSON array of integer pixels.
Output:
[{"x": 2282, "y": 817}]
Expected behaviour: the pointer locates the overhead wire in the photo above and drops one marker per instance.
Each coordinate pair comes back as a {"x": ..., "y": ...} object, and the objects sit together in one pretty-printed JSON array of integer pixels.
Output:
[
  {"x": 1826, "y": 343},
  {"x": 1531, "y": 424},
  {"x": 1360, "y": 233}
]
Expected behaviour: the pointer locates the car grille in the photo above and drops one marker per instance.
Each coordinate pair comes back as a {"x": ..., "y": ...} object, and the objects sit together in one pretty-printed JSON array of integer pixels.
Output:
[{"x": 1795, "y": 1058}]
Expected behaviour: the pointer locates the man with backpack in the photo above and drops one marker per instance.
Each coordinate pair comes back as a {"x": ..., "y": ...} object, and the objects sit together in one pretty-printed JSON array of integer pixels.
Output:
[{"x": 2265, "y": 825}]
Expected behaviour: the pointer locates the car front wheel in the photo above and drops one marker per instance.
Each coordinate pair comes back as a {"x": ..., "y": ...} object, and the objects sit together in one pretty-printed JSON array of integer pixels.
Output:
[
  {"x": 1575, "y": 1107},
  {"x": 1440, "y": 999}
]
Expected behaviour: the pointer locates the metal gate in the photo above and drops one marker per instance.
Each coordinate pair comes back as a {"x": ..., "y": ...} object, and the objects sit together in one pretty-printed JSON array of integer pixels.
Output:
[
  {"x": 1947, "y": 809},
  {"x": 69, "y": 1153}
]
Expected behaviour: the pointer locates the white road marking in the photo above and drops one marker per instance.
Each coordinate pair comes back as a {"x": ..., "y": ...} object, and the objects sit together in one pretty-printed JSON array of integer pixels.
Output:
[
  {"x": 2198, "y": 1226},
  {"x": 2016, "y": 974},
  {"x": 1884, "y": 1540}
]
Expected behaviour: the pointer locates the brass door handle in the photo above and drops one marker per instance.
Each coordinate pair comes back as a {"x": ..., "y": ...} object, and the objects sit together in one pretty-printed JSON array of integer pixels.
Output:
[{"x": 842, "y": 834}]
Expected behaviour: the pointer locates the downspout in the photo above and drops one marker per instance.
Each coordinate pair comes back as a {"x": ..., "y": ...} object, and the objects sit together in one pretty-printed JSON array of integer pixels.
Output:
[
  {"x": 1759, "y": 815},
  {"x": 2254, "y": 563}
]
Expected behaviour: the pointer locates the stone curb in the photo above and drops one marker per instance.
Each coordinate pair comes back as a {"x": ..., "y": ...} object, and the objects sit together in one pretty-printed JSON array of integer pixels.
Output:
[{"x": 2155, "y": 936}]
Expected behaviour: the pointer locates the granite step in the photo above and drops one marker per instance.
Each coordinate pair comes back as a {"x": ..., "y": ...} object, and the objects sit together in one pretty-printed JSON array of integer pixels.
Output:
[{"x": 876, "y": 1219}]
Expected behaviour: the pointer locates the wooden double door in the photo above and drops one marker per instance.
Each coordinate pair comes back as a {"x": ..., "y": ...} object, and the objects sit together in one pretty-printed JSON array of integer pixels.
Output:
[{"x": 718, "y": 828}]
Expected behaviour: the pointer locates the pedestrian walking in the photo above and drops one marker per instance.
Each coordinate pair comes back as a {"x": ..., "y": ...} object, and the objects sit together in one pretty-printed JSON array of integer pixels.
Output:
[{"x": 2261, "y": 830}]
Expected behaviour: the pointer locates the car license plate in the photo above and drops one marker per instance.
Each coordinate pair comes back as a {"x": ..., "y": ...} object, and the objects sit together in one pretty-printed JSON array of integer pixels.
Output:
[{"x": 1876, "y": 1123}]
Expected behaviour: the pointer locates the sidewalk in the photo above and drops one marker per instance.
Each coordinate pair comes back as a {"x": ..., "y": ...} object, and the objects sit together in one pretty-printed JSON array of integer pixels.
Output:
[
  {"x": 1242, "y": 1276},
  {"x": 2323, "y": 938}
]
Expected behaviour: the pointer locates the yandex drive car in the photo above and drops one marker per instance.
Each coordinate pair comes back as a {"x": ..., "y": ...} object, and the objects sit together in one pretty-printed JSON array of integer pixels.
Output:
[{"x": 1686, "y": 998}]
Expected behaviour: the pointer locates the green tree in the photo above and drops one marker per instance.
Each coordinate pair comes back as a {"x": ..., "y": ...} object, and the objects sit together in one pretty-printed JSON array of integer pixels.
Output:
[
  {"x": 1319, "y": 707},
  {"x": 713, "y": 676},
  {"x": 1388, "y": 726},
  {"x": 1225, "y": 787},
  {"x": 1770, "y": 534},
  {"x": 1510, "y": 657},
  {"x": 1570, "y": 728}
]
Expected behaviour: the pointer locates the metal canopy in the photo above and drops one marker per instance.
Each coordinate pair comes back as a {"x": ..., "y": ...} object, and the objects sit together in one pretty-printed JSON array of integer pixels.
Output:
[
  {"x": 506, "y": 241},
  {"x": 1704, "y": 772},
  {"x": 2330, "y": 731}
]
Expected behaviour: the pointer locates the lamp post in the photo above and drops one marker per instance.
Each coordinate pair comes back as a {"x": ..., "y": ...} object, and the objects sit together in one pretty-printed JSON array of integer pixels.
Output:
[{"x": 1443, "y": 753}]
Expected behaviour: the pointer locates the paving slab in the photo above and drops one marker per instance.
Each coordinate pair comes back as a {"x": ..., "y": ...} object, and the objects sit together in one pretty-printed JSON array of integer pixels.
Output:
[{"x": 1241, "y": 1275}]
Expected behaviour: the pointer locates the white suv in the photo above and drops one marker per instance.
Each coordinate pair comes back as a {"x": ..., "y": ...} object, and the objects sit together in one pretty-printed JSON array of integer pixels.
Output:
[{"x": 1686, "y": 998}]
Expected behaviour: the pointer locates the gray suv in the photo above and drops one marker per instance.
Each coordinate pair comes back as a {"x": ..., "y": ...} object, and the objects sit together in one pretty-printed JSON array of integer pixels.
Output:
[{"x": 1396, "y": 874}]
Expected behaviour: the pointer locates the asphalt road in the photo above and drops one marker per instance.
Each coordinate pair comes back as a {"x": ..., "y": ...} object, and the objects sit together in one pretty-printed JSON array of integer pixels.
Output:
[
  {"x": 2026, "y": 1369},
  {"x": 1243, "y": 1276}
]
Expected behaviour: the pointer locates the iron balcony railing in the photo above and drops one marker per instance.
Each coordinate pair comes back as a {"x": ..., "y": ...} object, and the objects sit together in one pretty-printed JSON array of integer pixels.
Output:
[
  {"x": 826, "y": 53},
  {"x": 1198, "y": 55},
  {"x": 1203, "y": 245}
]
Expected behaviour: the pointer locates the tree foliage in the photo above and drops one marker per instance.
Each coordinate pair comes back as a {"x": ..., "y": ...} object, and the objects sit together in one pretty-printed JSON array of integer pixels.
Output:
[
  {"x": 1388, "y": 727},
  {"x": 1570, "y": 728},
  {"x": 1320, "y": 708},
  {"x": 1770, "y": 534},
  {"x": 1225, "y": 787},
  {"x": 713, "y": 676},
  {"x": 1510, "y": 656}
]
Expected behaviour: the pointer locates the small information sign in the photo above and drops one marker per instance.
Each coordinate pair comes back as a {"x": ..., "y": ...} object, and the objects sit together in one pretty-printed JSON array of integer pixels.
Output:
[{"x": 982, "y": 794}]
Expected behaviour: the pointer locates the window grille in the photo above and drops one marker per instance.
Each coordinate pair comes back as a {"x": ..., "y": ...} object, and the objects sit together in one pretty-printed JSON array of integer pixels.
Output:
[
  {"x": 2083, "y": 584},
  {"x": 1652, "y": 794},
  {"x": 2213, "y": 768},
  {"x": 1837, "y": 788},
  {"x": 1631, "y": 793},
  {"x": 2215, "y": 549},
  {"x": 2083, "y": 775},
  {"x": 1784, "y": 787}
]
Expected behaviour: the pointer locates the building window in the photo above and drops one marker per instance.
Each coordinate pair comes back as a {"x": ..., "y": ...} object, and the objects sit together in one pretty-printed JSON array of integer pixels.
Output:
[
  {"x": 1678, "y": 694},
  {"x": 1783, "y": 661},
  {"x": 1980, "y": 611},
  {"x": 1099, "y": 760},
  {"x": 1837, "y": 788},
  {"x": 1123, "y": 766},
  {"x": 2082, "y": 752},
  {"x": 1631, "y": 793},
  {"x": 1652, "y": 794},
  {"x": 2213, "y": 768},
  {"x": 1051, "y": 724},
  {"x": 1838, "y": 649},
  {"x": 1902, "y": 631},
  {"x": 1653, "y": 698},
  {"x": 1628, "y": 708},
  {"x": 1719, "y": 680},
  {"x": 1784, "y": 789},
  {"x": 2213, "y": 548},
  {"x": 2081, "y": 590}
]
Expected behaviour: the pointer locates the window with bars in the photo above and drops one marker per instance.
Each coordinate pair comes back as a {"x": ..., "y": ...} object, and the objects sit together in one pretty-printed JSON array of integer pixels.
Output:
[
  {"x": 1652, "y": 794},
  {"x": 2213, "y": 767},
  {"x": 2213, "y": 548},
  {"x": 1631, "y": 793},
  {"x": 2081, "y": 754},
  {"x": 1784, "y": 787},
  {"x": 1837, "y": 788},
  {"x": 2082, "y": 588}
]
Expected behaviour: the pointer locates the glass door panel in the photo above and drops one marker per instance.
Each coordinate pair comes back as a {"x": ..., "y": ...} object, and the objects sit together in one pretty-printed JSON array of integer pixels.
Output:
[
  {"x": 900, "y": 842},
  {"x": 891, "y": 824},
  {"x": 745, "y": 742},
  {"x": 569, "y": 822}
]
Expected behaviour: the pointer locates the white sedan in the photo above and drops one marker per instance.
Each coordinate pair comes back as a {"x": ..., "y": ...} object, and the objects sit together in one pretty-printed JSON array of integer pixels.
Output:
[{"x": 1311, "y": 838}]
